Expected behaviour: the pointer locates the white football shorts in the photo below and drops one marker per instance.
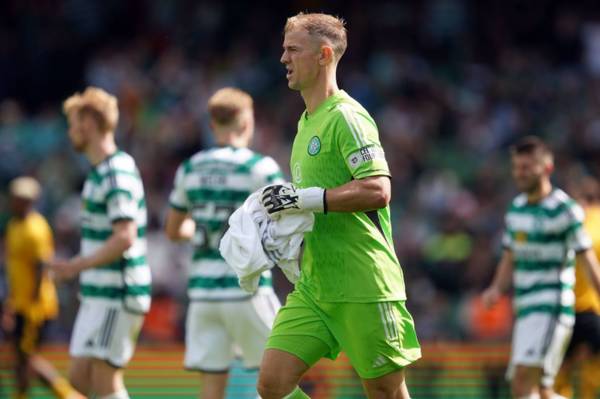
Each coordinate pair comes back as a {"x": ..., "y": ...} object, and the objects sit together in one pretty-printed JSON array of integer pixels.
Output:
[
  {"x": 217, "y": 331},
  {"x": 539, "y": 340},
  {"x": 105, "y": 331}
]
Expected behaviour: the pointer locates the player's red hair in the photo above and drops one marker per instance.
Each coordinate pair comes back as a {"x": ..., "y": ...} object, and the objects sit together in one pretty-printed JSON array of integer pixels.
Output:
[{"x": 97, "y": 103}]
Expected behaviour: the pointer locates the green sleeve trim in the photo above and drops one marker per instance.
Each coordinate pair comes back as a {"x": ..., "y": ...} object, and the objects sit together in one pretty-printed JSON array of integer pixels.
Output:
[
  {"x": 178, "y": 208},
  {"x": 187, "y": 166},
  {"x": 122, "y": 218},
  {"x": 118, "y": 191}
]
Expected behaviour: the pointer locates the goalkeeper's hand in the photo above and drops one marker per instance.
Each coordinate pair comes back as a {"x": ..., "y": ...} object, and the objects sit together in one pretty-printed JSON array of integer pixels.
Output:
[{"x": 278, "y": 199}]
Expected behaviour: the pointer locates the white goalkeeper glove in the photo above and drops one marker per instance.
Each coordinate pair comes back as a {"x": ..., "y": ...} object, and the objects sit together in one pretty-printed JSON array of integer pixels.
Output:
[{"x": 285, "y": 198}]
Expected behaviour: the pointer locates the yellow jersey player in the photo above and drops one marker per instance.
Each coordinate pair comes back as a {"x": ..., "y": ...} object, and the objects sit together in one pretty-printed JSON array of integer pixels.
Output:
[
  {"x": 32, "y": 300},
  {"x": 584, "y": 348}
]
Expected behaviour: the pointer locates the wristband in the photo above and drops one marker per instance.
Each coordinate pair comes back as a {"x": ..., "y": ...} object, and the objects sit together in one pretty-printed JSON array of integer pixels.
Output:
[{"x": 312, "y": 199}]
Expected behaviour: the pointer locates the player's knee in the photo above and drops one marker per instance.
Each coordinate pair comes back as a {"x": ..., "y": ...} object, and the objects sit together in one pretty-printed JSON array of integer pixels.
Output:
[
  {"x": 522, "y": 388},
  {"x": 79, "y": 381},
  {"x": 384, "y": 391},
  {"x": 105, "y": 378},
  {"x": 270, "y": 387},
  {"x": 525, "y": 381}
]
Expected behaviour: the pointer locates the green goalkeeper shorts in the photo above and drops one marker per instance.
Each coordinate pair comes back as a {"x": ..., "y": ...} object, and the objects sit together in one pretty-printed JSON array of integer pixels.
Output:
[{"x": 378, "y": 337}]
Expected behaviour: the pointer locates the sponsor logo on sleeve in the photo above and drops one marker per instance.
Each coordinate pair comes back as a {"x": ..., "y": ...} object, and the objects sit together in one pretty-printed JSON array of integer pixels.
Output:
[{"x": 365, "y": 154}]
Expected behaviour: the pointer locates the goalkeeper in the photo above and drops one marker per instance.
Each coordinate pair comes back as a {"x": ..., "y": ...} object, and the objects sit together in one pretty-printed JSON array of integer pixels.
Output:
[{"x": 351, "y": 293}]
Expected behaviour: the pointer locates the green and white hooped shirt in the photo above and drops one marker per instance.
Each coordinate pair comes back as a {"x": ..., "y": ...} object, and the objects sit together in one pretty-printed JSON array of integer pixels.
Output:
[
  {"x": 113, "y": 191},
  {"x": 544, "y": 238},
  {"x": 210, "y": 186}
]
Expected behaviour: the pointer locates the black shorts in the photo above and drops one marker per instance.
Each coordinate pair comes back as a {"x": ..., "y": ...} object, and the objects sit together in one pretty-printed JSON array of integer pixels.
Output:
[
  {"x": 28, "y": 335},
  {"x": 586, "y": 332}
]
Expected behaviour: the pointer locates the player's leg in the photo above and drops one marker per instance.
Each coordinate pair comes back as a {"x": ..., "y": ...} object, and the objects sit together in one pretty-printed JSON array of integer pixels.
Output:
[
  {"x": 553, "y": 355},
  {"x": 538, "y": 347},
  {"x": 390, "y": 386},
  {"x": 380, "y": 345},
  {"x": 562, "y": 383},
  {"x": 107, "y": 380},
  {"x": 298, "y": 340},
  {"x": 213, "y": 385},
  {"x": 525, "y": 381},
  {"x": 24, "y": 344},
  {"x": 102, "y": 343},
  {"x": 80, "y": 374},
  {"x": 208, "y": 348},
  {"x": 114, "y": 350},
  {"x": 587, "y": 329},
  {"x": 577, "y": 352},
  {"x": 22, "y": 373},
  {"x": 48, "y": 373},
  {"x": 249, "y": 322},
  {"x": 88, "y": 324},
  {"x": 280, "y": 373},
  {"x": 39, "y": 366},
  {"x": 590, "y": 381}
]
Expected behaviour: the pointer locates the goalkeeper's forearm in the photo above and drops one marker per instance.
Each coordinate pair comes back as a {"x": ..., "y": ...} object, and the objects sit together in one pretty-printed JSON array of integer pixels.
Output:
[{"x": 359, "y": 195}]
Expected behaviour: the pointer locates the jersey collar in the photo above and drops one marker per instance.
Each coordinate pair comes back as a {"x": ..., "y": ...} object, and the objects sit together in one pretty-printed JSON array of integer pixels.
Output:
[{"x": 325, "y": 105}]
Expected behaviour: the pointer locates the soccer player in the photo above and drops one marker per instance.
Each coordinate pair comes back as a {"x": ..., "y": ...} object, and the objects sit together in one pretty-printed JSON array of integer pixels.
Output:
[
  {"x": 113, "y": 271},
  {"x": 208, "y": 188},
  {"x": 32, "y": 300},
  {"x": 543, "y": 238},
  {"x": 584, "y": 347},
  {"x": 351, "y": 293}
]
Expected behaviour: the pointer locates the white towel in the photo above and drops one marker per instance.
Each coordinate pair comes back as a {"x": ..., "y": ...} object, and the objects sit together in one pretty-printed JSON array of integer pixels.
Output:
[{"x": 254, "y": 242}]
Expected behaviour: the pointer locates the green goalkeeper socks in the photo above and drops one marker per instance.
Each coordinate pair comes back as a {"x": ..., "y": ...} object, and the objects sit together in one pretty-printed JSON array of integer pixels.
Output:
[{"x": 297, "y": 394}]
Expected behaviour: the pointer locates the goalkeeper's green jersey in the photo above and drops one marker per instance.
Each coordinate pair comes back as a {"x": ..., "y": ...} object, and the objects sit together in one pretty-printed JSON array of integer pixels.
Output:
[{"x": 349, "y": 256}]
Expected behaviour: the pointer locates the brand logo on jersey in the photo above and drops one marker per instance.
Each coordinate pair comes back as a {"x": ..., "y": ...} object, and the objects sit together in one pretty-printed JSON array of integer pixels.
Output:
[
  {"x": 365, "y": 154},
  {"x": 314, "y": 146},
  {"x": 297, "y": 173}
]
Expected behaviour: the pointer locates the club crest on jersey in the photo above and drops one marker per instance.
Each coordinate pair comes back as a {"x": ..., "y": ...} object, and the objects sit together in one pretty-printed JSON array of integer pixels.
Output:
[{"x": 314, "y": 146}]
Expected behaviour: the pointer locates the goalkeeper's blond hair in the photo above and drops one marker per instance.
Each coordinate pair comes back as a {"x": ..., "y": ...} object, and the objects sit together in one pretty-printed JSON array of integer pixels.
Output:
[
  {"x": 97, "y": 103},
  {"x": 324, "y": 27}
]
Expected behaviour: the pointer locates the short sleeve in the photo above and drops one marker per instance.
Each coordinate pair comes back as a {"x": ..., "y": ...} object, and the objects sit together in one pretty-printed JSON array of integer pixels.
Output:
[
  {"x": 507, "y": 235},
  {"x": 121, "y": 201},
  {"x": 266, "y": 171},
  {"x": 358, "y": 141},
  {"x": 43, "y": 241},
  {"x": 577, "y": 238},
  {"x": 178, "y": 199}
]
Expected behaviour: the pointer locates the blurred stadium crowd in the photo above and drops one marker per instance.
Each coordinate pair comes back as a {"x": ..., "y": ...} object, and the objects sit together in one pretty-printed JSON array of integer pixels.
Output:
[{"x": 451, "y": 84}]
